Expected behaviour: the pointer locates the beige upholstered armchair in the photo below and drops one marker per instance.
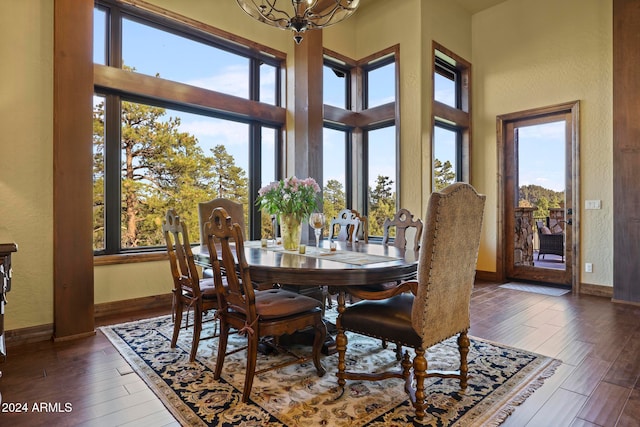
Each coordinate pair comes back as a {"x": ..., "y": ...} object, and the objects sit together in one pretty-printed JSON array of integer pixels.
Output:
[{"x": 437, "y": 307}]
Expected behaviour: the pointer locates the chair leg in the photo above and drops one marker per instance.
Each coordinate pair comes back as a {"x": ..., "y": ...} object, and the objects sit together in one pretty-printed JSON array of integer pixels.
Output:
[
  {"x": 252, "y": 354},
  {"x": 222, "y": 347},
  {"x": 197, "y": 329},
  {"x": 318, "y": 340},
  {"x": 463, "y": 347},
  {"x": 420, "y": 373},
  {"x": 177, "y": 322},
  {"x": 341, "y": 342}
]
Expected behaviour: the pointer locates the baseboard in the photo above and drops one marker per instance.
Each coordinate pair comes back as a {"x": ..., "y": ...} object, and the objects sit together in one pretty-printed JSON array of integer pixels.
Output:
[
  {"x": 487, "y": 276},
  {"x": 32, "y": 334},
  {"x": 596, "y": 290},
  {"x": 135, "y": 305}
]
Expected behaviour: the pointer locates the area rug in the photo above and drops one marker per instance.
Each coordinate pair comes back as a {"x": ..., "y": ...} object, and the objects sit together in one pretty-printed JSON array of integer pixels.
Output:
[
  {"x": 536, "y": 289},
  {"x": 500, "y": 379}
]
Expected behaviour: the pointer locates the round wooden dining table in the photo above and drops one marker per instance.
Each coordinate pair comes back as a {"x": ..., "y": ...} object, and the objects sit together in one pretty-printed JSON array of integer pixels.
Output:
[{"x": 351, "y": 264}]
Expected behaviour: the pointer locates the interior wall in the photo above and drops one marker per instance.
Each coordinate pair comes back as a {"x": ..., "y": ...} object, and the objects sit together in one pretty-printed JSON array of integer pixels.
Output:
[
  {"x": 535, "y": 54},
  {"x": 26, "y": 163}
]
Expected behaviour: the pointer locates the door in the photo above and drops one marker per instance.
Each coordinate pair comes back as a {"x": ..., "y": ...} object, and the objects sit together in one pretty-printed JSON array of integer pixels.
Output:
[{"x": 539, "y": 148}]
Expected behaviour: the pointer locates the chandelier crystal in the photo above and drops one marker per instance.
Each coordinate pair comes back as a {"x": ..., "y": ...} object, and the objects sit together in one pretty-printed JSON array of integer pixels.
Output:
[{"x": 299, "y": 15}]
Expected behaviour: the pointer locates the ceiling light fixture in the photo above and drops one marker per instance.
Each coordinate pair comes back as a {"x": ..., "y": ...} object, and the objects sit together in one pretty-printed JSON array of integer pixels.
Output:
[{"x": 300, "y": 15}]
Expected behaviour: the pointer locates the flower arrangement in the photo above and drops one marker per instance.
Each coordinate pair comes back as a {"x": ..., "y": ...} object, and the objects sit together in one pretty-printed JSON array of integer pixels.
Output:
[{"x": 289, "y": 196}]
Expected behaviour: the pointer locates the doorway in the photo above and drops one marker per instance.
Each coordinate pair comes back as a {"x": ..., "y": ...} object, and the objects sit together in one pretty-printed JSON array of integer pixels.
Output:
[{"x": 538, "y": 161}]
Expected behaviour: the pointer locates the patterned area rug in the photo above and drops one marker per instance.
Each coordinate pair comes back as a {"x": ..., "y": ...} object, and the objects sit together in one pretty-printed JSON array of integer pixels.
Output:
[{"x": 500, "y": 379}]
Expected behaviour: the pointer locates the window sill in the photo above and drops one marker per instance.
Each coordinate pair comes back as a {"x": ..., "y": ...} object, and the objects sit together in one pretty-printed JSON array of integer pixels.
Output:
[{"x": 129, "y": 258}]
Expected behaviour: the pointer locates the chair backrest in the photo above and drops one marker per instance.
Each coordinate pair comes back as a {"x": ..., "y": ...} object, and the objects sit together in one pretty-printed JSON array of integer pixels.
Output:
[
  {"x": 344, "y": 227},
  {"x": 363, "y": 229},
  {"x": 447, "y": 262},
  {"x": 234, "y": 209},
  {"x": 402, "y": 220},
  {"x": 183, "y": 267},
  {"x": 238, "y": 294}
]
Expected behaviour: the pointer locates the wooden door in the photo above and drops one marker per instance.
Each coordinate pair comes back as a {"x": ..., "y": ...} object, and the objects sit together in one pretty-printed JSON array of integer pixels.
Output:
[{"x": 539, "y": 174}]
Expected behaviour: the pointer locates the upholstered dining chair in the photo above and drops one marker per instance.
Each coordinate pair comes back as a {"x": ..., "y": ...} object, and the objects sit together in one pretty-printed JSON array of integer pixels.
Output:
[
  {"x": 437, "y": 307},
  {"x": 255, "y": 313},
  {"x": 189, "y": 291},
  {"x": 204, "y": 212}
]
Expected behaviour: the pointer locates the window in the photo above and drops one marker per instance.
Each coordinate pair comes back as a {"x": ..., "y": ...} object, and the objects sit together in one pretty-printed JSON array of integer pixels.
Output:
[
  {"x": 369, "y": 141},
  {"x": 451, "y": 118},
  {"x": 174, "y": 130}
]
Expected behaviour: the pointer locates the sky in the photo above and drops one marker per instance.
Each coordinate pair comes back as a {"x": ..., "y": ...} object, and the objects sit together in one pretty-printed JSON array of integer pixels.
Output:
[{"x": 541, "y": 152}]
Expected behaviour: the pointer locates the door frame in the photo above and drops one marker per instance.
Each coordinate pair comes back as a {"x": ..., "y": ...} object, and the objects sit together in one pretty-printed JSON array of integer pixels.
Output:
[{"x": 572, "y": 108}]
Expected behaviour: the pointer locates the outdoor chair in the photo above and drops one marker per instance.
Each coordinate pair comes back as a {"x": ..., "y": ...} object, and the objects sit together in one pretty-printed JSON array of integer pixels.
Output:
[{"x": 550, "y": 243}]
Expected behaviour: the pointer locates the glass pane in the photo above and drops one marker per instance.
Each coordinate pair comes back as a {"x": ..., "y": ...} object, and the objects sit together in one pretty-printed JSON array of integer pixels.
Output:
[
  {"x": 444, "y": 157},
  {"x": 444, "y": 90},
  {"x": 98, "y": 172},
  {"x": 541, "y": 185},
  {"x": 381, "y": 85},
  {"x": 268, "y": 84},
  {"x": 334, "y": 86},
  {"x": 268, "y": 166},
  {"x": 99, "y": 36},
  {"x": 190, "y": 62},
  {"x": 334, "y": 173},
  {"x": 382, "y": 177},
  {"x": 172, "y": 159}
]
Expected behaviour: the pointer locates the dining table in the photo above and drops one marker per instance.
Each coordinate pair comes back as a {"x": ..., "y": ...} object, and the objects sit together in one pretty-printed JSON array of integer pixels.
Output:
[{"x": 333, "y": 264}]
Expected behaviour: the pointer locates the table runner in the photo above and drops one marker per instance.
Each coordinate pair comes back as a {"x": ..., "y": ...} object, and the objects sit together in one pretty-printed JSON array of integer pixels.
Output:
[{"x": 347, "y": 257}]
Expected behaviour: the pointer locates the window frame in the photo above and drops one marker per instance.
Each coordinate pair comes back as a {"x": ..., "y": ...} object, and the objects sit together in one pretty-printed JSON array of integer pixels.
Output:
[
  {"x": 118, "y": 85},
  {"x": 457, "y": 119},
  {"x": 360, "y": 120}
]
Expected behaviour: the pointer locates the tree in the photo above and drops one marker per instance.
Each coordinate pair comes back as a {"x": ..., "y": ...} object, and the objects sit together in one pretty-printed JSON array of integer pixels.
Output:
[
  {"x": 382, "y": 204},
  {"x": 443, "y": 174},
  {"x": 333, "y": 200},
  {"x": 161, "y": 168}
]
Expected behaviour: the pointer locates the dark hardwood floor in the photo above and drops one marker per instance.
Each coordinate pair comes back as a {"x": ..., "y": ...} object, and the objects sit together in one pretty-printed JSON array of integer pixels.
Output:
[{"x": 86, "y": 382}]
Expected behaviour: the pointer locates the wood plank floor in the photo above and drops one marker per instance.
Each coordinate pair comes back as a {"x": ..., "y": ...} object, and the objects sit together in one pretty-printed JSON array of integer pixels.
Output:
[{"x": 597, "y": 384}]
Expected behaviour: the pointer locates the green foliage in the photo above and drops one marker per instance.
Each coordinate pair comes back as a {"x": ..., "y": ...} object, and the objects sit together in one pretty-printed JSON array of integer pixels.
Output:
[
  {"x": 334, "y": 200},
  {"x": 541, "y": 198},
  {"x": 162, "y": 168},
  {"x": 443, "y": 174},
  {"x": 382, "y": 204}
]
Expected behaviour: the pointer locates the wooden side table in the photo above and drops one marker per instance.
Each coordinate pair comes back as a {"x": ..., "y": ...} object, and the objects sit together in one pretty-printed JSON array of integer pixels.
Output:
[{"x": 7, "y": 247}]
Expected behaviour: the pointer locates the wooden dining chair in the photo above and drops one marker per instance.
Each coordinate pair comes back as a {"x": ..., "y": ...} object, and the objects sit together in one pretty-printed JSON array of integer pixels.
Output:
[
  {"x": 363, "y": 228},
  {"x": 437, "y": 307},
  {"x": 402, "y": 222},
  {"x": 205, "y": 209},
  {"x": 189, "y": 291},
  {"x": 255, "y": 313},
  {"x": 344, "y": 227}
]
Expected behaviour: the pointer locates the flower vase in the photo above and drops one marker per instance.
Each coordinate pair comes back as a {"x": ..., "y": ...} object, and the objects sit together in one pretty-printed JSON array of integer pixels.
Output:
[{"x": 290, "y": 230}]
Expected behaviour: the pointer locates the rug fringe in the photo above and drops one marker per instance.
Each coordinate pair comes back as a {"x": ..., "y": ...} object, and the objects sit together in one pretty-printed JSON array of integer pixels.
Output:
[{"x": 502, "y": 414}]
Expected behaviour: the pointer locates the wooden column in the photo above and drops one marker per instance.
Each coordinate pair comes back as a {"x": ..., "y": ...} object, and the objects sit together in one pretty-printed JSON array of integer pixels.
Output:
[
  {"x": 308, "y": 111},
  {"x": 72, "y": 169},
  {"x": 626, "y": 150}
]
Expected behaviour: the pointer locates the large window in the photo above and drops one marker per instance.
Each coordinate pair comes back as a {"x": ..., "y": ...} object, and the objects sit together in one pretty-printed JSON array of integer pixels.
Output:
[
  {"x": 360, "y": 133},
  {"x": 176, "y": 129},
  {"x": 451, "y": 118}
]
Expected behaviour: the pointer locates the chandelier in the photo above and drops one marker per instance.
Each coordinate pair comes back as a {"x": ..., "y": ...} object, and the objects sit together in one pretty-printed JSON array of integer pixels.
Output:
[{"x": 300, "y": 15}]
